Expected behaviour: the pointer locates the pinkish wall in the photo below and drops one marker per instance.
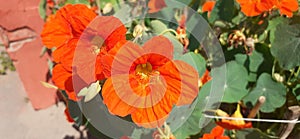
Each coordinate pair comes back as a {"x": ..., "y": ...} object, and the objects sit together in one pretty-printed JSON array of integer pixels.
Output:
[{"x": 20, "y": 26}]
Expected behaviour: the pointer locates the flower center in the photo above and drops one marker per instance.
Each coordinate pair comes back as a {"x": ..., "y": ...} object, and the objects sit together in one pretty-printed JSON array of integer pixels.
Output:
[
  {"x": 97, "y": 43},
  {"x": 143, "y": 70}
]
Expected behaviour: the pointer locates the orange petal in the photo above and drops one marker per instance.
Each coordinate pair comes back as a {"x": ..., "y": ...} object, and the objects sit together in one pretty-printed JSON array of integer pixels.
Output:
[
  {"x": 208, "y": 136},
  {"x": 126, "y": 58},
  {"x": 70, "y": 21},
  {"x": 173, "y": 79},
  {"x": 243, "y": 1},
  {"x": 156, "y": 5},
  {"x": 83, "y": 63},
  {"x": 60, "y": 76},
  {"x": 285, "y": 11},
  {"x": 109, "y": 28},
  {"x": 68, "y": 54},
  {"x": 78, "y": 16},
  {"x": 287, "y": 7},
  {"x": 235, "y": 124},
  {"x": 218, "y": 131},
  {"x": 227, "y": 124},
  {"x": 206, "y": 77},
  {"x": 99, "y": 69},
  {"x": 63, "y": 80},
  {"x": 160, "y": 50},
  {"x": 106, "y": 60},
  {"x": 154, "y": 116},
  {"x": 182, "y": 81},
  {"x": 250, "y": 9},
  {"x": 224, "y": 137},
  {"x": 56, "y": 32},
  {"x": 58, "y": 53},
  {"x": 208, "y": 6},
  {"x": 113, "y": 102},
  {"x": 265, "y": 5},
  {"x": 140, "y": 92},
  {"x": 189, "y": 82},
  {"x": 88, "y": 56}
]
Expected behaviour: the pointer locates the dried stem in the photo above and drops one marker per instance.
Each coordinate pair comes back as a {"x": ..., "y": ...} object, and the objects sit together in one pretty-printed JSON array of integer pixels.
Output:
[
  {"x": 260, "y": 101},
  {"x": 292, "y": 113}
]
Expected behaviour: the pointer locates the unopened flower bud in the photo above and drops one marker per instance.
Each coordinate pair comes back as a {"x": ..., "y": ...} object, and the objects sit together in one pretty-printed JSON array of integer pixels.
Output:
[
  {"x": 138, "y": 31},
  {"x": 108, "y": 8},
  {"x": 278, "y": 77}
]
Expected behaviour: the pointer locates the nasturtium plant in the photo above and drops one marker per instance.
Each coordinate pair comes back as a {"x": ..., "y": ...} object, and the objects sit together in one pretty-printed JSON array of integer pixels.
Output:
[{"x": 165, "y": 69}]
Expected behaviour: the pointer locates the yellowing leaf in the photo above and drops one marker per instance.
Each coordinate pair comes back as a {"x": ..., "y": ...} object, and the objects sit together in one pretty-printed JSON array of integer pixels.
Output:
[
  {"x": 90, "y": 92},
  {"x": 45, "y": 84}
]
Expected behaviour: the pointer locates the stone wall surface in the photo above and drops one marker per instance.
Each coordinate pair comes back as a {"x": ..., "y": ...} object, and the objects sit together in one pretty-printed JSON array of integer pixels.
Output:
[{"x": 20, "y": 26}]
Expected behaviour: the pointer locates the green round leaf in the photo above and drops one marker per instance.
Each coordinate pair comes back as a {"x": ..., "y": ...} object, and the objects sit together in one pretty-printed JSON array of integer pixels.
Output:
[
  {"x": 195, "y": 60},
  {"x": 251, "y": 62},
  {"x": 286, "y": 45},
  {"x": 235, "y": 81},
  {"x": 255, "y": 60},
  {"x": 273, "y": 91},
  {"x": 273, "y": 24}
]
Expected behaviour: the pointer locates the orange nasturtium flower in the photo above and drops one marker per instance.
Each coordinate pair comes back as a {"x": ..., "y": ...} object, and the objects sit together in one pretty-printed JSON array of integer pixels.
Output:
[
  {"x": 233, "y": 124},
  {"x": 69, "y": 22},
  {"x": 216, "y": 133},
  {"x": 69, "y": 30},
  {"x": 208, "y": 6},
  {"x": 256, "y": 7},
  {"x": 145, "y": 82}
]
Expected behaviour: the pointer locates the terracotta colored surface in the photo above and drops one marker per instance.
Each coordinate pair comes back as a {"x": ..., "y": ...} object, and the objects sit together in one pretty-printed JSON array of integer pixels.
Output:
[{"x": 20, "y": 26}]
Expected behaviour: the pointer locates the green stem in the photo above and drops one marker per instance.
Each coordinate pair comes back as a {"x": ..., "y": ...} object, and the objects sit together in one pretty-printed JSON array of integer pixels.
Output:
[
  {"x": 290, "y": 77},
  {"x": 273, "y": 68},
  {"x": 169, "y": 30},
  {"x": 270, "y": 129}
]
